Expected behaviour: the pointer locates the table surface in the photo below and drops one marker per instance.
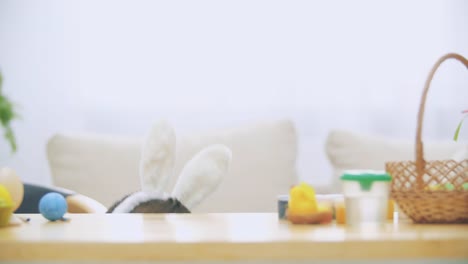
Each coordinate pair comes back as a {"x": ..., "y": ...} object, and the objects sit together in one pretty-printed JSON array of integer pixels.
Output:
[{"x": 249, "y": 236}]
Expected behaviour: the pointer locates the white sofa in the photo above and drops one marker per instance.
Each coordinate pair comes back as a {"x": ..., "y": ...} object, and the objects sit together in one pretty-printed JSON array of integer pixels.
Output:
[
  {"x": 263, "y": 165},
  {"x": 106, "y": 168},
  {"x": 350, "y": 150}
]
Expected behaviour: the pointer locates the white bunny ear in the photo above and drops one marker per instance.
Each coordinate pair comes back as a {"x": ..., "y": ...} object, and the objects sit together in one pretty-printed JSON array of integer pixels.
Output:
[
  {"x": 157, "y": 158},
  {"x": 201, "y": 175}
]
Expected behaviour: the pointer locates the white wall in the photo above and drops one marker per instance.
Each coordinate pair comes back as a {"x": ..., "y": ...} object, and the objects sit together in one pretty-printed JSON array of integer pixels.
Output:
[{"x": 116, "y": 66}]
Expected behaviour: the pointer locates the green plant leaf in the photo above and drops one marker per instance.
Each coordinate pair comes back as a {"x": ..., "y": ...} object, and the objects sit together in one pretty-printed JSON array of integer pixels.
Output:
[
  {"x": 10, "y": 137},
  {"x": 7, "y": 114},
  {"x": 457, "y": 131}
]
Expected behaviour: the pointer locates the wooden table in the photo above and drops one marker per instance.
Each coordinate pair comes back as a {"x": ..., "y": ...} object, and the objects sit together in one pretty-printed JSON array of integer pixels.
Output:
[{"x": 222, "y": 237}]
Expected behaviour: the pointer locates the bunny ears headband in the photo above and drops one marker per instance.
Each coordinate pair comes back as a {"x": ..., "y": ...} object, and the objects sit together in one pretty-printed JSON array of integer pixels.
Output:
[{"x": 199, "y": 177}]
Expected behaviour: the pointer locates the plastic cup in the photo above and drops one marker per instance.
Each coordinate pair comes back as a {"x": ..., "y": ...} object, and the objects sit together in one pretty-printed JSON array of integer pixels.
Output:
[{"x": 366, "y": 197}]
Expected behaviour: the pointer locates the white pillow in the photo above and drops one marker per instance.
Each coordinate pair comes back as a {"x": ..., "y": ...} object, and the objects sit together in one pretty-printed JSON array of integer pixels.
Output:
[
  {"x": 348, "y": 150},
  {"x": 106, "y": 168}
]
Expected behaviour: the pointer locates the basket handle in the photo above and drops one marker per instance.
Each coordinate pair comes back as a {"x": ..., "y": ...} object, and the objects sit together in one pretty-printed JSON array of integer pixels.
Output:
[{"x": 420, "y": 162}]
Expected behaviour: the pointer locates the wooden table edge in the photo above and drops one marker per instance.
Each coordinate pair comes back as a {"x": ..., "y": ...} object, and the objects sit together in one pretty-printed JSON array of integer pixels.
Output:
[{"x": 287, "y": 250}]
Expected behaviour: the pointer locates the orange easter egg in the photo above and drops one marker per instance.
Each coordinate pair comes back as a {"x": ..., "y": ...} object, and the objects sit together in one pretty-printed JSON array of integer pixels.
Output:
[
  {"x": 13, "y": 184},
  {"x": 390, "y": 209},
  {"x": 340, "y": 213}
]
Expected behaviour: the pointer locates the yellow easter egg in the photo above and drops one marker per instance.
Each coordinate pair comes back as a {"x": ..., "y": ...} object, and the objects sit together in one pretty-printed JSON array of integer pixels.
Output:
[
  {"x": 12, "y": 182},
  {"x": 6, "y": 206},
  {"x": 5, "y": 197}
]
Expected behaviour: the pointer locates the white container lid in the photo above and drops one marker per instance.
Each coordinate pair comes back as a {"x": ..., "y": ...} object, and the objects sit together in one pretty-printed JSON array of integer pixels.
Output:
[{"x": 365, "y": 178}]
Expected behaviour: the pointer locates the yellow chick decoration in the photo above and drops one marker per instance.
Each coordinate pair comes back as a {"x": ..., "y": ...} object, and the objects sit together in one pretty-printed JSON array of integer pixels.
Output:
[
  {"x": 302, "y": 200},
  {"x": 303, "y": 207}
]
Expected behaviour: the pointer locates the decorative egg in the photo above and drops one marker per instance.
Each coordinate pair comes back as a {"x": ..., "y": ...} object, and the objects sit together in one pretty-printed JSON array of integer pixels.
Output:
[
  {"x": 6, "y": 206},
  {"x": 53, "y": 206},
  {"x": 13, "y": 184}
]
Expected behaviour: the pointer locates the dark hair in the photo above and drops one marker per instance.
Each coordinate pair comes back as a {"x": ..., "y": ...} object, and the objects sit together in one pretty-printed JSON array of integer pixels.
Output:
[{"x": 155, "y": 206}]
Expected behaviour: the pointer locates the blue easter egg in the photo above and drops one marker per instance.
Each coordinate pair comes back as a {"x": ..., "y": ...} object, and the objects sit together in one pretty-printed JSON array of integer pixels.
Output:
[{"x": 53, "y": 206}]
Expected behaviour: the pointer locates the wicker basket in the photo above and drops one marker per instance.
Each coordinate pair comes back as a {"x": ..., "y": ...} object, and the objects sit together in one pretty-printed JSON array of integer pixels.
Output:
[{"x": 416, "y": 185}]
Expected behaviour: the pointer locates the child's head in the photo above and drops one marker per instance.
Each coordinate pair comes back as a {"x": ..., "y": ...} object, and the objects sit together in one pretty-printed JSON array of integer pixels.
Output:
[{"x": 165, "y": 206}]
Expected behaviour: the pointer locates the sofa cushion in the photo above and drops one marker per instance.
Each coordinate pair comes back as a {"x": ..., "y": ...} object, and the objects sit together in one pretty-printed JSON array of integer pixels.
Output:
[
  {"x": 106, "y": 168},
  {"x": 348, "y": 150}
]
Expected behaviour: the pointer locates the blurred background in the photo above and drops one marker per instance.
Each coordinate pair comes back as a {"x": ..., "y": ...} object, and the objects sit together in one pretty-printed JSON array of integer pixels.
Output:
[{"x": 115, "y": 67}]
